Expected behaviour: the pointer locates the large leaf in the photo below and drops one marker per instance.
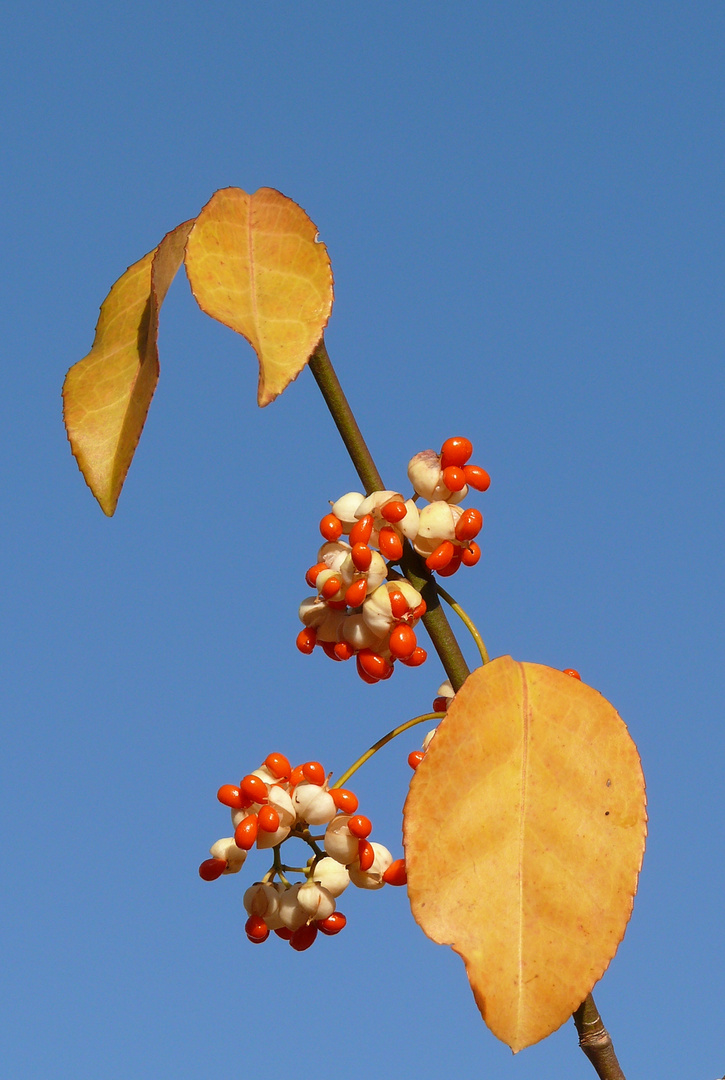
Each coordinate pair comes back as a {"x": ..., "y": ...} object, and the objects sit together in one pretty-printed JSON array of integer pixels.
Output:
[
  {"x": 106, "y": 396},
  {"x": 254, "y": 264},
  {"x": 524, "y": 835}
]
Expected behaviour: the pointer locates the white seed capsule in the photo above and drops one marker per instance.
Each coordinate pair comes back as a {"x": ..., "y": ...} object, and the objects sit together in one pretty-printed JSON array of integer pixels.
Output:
[
  {"x": 409, "y": 525},
  {"x": 372, "y": 878},
  {"x": 358, "y": 634},
  {"x": 345, "y": 509},
  {"x": 334, "y": 553},
  {"x": 289, "y": 912},
  {"x": 313, "y": 804},
  {"x": 339, "y": 842},
  {"x": 315, "y": 900},
  {"x": 332, "y": 875},
  {"x": 227, "y": 849},
  {"x": 267, "y": 840},
  {"x": 438, "y": 520},
  {"x": 260, "y": 899},
  {"x": 426, "y": 476}
]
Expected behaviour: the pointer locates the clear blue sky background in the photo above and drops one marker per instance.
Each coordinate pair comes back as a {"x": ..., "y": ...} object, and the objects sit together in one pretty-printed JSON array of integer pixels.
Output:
[{"x": 523, "y": 206}]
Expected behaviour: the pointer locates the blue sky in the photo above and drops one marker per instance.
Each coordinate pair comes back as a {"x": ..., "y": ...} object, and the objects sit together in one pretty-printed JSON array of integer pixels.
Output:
[{"x": 523, "y": 207}]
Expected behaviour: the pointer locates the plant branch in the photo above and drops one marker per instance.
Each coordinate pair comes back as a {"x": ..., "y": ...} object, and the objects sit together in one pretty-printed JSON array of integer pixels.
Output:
[
  {"x": 594, "y": 1039},
  {"x": 596, "y": 1042},
  {"x": 329, "y": 384}
]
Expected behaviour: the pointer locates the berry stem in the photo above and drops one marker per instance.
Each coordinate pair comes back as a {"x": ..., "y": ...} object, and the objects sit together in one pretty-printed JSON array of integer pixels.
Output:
[
  {"x": 455, "y": 606},
  {"x": 306, "y": 835},
  {"x": 279, "y": 868},
  {"x": 381, "y": 742}
]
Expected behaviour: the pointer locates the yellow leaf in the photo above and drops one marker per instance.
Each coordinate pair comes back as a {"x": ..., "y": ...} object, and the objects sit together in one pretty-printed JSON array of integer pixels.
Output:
[
  {"x": 524, "y": 834},
  {"x": 106, "y": 396},
  {"x": 254, "y": 265}
]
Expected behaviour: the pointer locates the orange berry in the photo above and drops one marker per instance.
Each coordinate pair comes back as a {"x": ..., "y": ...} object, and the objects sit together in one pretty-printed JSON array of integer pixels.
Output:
[
  {"x": 312, "y": 573},
  {"x": 365, "y": 854},
  {"x": 471, "y": 554},
  {"x": 395, "y": 874},
  {"x": 211, "y": 869},
  {"x": 328, "y": 648},
  {"x": 313, "y": 772},
  {"x": 284, "y": 932},
  {"x": 333, "y": 924},
  {"x": 278, "y": 765},
  {"x": 453, "y": 565},
  {"x": 372, "y": 664},
  {"x": 365, "y": 677},
  {"x": 344, "y": 800},
  {"x": 442, "y": 555},
  {"x": 420, "y": 611},
  {"x": 356, "y": 593},
  {"x": 297, "y": 775},
  {"x": 477, "y": 478},
  {"x": 398, "y": 604},
  {"x": 331, "y": 527},
  {"x": 361, "y": 556},
  {"x": 416, "y": 658},
  {"x": 229, "y": 795},
  {"x": 456, "y": 451},
  {"x": 254, "y": 788},
  {"x": 402, "y": 642},
  {"x": 306, "y": 640},
  {"x": 245, "y": 833},
  {"x": 337, "y": 605},
  {"x": 343, "y": 650},
  {"x": 362, "y": 530},
  {"x": 454, "y": 478},
  {"x": 360, "y": 826},
  {"x": 415, "y": 757},
  {"x": 469, "y": 524},
  {"x": 303, "y": 937},
  {"x": 331, "y": 586},
  {"x": 390, "y": 544},
  {"x": 440, "y": 704},
  {"x": 268, "y": 819},
  {"x": 394, "y": 511},
  {"x": 574, "y": 674},
  {"x": 256, "y": 929}
]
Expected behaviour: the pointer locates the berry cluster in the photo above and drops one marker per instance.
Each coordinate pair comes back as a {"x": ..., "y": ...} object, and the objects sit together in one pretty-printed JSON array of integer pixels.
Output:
[
  {"x": 446, "y": 531},
  {"x": 361, "y": 607},
  {"x": 277, "y": 802}
]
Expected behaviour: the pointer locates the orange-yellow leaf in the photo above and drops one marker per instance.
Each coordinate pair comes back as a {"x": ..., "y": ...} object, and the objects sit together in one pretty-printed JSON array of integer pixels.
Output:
[
  {"x": 253, "y": 264},
  {"x": 106, "y": 396},
  {"x": 524, "y": 835}
]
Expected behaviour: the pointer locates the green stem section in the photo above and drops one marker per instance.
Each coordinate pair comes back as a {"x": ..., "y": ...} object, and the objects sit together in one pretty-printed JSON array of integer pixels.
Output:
[
  {"x": 329, "y": 384},
  {"x": 414, "y": 568},
  {"x": 596, "y": 1042},
  {"x": 467, "y": 620},
  {"x": 381, "y": 742}
]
